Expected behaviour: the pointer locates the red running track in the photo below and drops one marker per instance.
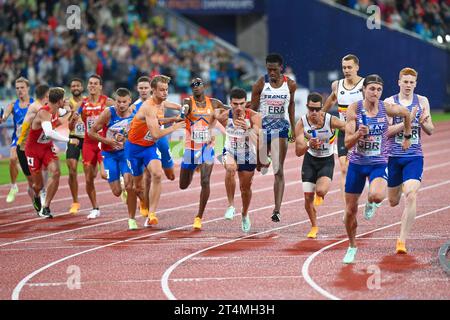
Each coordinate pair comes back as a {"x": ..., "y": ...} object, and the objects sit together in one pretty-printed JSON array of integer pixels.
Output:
[{"x": 41, "y": 258}]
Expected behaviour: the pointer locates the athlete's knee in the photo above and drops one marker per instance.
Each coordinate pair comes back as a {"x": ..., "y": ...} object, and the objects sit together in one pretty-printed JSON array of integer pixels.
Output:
[
  {"x": 376, "y": 197},
  {"x": 394, "y": 201},
  {"x": 169, "y": 174},
  {"x": 245, "y": 186},
  {"x": 116, "y": 191},
  {"x": 156, "y": 176},
  {"x": 321, "y": 192},
  {"x": 230, "y": 170},
  {"x": 184, "y": 185},
  {"x": 411, "y": 196},
  {"x": 204, "y": 182}
]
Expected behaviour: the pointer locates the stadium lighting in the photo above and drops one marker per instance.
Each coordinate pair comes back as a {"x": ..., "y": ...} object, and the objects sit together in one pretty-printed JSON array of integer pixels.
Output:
[
  {"x": 447, "y": 37},
  {"x": 440, "y": 39}
]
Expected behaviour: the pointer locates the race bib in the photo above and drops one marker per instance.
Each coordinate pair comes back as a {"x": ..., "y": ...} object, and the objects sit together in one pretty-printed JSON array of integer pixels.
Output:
[
  {"x": 148, "y": 136},
  {"x": 237, "y": 144},
  {"x": 200, "y": 135},
  {"x": 276, "y": 111},
  {"x": 79, "y": 128},
  {"x": 370, "y": 146},
  {"x": 414, "y": 135},
  {"x": 90, "y": 122}
]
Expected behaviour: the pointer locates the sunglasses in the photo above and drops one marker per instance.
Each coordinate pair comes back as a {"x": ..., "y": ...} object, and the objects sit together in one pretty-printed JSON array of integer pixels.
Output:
[
  {"x": 313, "y": 109},
  {"x": 196, "y": 84}
]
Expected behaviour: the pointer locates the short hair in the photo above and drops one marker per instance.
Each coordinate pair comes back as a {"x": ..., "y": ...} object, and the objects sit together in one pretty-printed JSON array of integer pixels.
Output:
[
  {"x": 274, "y": 58},
  {"x": 314, "y": 97},
  {"x": 96, "y": 76},
  {"x": 56, "y": 94},
  {"x": 159, "y": 78},
  {"x": 373, "y": 78},
  {"x": 78, "y": 80},
  {"x": 41, "y": 91},
  {"x": 238, "y": 93},
  {"x": 351, "y": 57},
  {"x": 123, "y": 92},
  {"x": 143, "y": 79},
  {"x": 408, "y": 72},
  {"x": 24, "y": 80}
]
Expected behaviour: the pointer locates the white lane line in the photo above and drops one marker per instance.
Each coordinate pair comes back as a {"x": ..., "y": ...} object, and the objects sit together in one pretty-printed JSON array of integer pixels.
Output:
[
  {"x": 164, "y": 280},
  {"x": 307, "y": 263},
  {"x": 166, "y": 275}
]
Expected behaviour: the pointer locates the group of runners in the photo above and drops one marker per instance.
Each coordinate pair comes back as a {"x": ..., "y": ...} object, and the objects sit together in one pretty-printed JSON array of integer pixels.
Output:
[{"x": 128, "y": 143}]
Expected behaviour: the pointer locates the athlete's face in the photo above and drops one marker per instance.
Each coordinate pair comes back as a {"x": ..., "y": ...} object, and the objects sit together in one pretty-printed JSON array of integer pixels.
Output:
[
  {"x": 45, "y": 100},
  {"x": 144, "y": 90},
  {"x": 238, "y": 106},
  {"x": 197, "y": 86},
  {"x": 21, "y": 89},
  {"x": 161, "y": 91},
  {"x": 349, "y": 68},
  {"x": 123, "y": 103},
  {"x": 76, "y": 88},
  {"x": 94, "y": 86},
  {"x": 407, "y": 84},
  {"x": 274, "y": 71},
  {"x": 314, "y": 109},
  {"x": 372, "y": 92}
]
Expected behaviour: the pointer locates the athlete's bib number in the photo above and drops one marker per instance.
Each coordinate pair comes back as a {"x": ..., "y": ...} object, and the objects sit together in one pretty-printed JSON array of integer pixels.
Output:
[
  {"x": 414, "y": 136},
  {"x": 79, "y": 128},
  {"x": 90, "y": 122},
  {"x": 237, "y": 144},
  {"x": 276, "y": 111},
  {"x": 148, "y": 136},
  {"x": 201, "y": 135},
  {"x": 371, "y": 146}
]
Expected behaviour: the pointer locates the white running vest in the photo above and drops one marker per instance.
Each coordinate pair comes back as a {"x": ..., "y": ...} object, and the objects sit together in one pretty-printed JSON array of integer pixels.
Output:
[
  {"x": 274, "y": 102},
  {"x": 347, "y": 97},
  {"x": 325, "y": 134}
]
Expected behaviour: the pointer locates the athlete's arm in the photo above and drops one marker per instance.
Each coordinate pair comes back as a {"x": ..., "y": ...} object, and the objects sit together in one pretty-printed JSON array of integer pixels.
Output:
[
  {"x": 291, "y": 108},
  {"x": 351, "y": 137},
  {"x": 151, "y": 119},
  {"x": 171, "y": 105},
  {"x": 400, "y": 111},
  {"x": 425, "y": 120},
  {"x": 300, "y": 144},
  {"x": 332, "y": 98},
  {"x": 46, "y": 124},
  {"x": 337, "y": 123},
  {"x": 255, "y": 122},
  {"x": 98, "y": 125},
  {"x": 7, "y": 112},
  {"x": 187, "y": 106},
  {"x": 217, "y": 104},
  {"x": 256, "y": 94}
]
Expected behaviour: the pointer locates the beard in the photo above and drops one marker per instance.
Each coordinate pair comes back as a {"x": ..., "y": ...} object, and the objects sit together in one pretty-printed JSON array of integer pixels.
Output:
[{"x": 76, "y": 93}]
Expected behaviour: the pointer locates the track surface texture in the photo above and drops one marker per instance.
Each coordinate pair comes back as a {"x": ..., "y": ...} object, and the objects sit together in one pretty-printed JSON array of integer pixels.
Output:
[{"x": 70, "y": 257}]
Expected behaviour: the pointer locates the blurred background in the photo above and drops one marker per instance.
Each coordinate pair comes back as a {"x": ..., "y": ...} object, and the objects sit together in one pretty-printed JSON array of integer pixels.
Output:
[{"x": 223, "y": 42}]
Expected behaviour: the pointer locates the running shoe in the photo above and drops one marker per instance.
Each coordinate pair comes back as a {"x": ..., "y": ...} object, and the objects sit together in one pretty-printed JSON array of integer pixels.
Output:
[
  {"x": 74, "y": 208},
  {"x": 350, "y": 255},
  {"x": 276, "y": 215},
  {"x": 313, "y": 233},
  {"x": 370, "y": 209},
  {"x": 132, "y": 225},
  {"x": 12, "y": 194},
  {"x": 37, "y": 203},
  {"x": 400, "y": 247},
  {"x": 229, "y": 214},
  {"x": 45, "y": 213},
  {"x": 197, "y": 223},
  {"x": 246, "y": 224},
  {"x": 317, "y": 200},
  {"x": 95, "y": 213}
]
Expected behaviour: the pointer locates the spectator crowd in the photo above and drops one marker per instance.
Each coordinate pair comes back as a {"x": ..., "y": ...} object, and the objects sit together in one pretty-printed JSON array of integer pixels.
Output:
[
  {"x": 119, "y": 40},
  {"x": 428, "y": 18}
]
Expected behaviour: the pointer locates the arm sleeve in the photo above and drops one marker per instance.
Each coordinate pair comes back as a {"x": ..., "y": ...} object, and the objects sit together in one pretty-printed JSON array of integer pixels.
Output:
[{"x": 52, "y": 134}]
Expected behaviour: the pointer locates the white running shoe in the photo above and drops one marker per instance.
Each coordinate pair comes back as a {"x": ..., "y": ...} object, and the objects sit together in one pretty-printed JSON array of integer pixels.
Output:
[{"x": 95, "y": 213}]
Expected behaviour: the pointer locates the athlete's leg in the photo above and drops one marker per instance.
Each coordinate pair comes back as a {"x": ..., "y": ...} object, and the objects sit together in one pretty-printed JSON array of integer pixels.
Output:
[
  {"x": 245, "y": 184},
  {"x": 351, "y": 223},
  {"x": 53, "y": 181},
  {"x": 278, "y": 150},
  {"x": 343, "y": 164},
  {"x": 394, "y": 195},
  {"x": 230, "y": 178},
  {"x": 90, "y": 172},
  {"x": 155, "y": 169},
  {"x": 72, "y": 165},
  {"x": 205, "y": 176},
  {"x": 410, "y": 188},
  {"x": 13, "y": 165}
]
